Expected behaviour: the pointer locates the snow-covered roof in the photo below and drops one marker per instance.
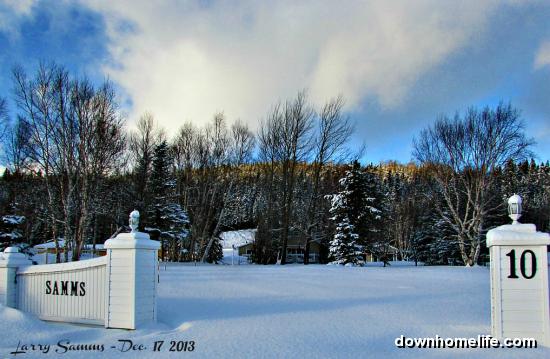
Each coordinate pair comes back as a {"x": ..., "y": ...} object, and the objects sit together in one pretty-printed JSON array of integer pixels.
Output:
[
  {"x": 237, "y": 238},
  {"x": 11, "y": 236},
  {"x": 13, "y": 219},
  {"x": 50, "y": 244}
]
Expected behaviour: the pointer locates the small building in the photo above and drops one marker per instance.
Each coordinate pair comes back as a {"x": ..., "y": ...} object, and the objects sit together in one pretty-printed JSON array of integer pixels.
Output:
[
  {"x": 47, "y": 250},
  {"x": 295, "y": 249},
  {"x": 390, "y": 252},
  {"x": 89, "y": 250},
  {"x": 243, "y": 241}
]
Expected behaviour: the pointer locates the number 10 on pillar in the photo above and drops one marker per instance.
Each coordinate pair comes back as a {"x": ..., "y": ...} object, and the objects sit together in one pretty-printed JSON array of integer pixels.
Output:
[
  {"x": 519, "y": 291},
  {"x": 528, "y": 267}
]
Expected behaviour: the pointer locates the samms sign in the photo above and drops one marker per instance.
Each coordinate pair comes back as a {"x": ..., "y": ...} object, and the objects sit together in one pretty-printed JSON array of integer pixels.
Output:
[
  {"x": 76, "y": 288},
  {"x": 69, "y": 292},
  {"x": 117, "y": 290}
]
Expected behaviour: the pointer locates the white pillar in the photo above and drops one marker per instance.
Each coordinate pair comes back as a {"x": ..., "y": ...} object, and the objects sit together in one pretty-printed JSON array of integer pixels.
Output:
[
  {"x": 519, "y": 282},
  {"x": 131, "y": 280},
  {"x": 10, "y": 260}
]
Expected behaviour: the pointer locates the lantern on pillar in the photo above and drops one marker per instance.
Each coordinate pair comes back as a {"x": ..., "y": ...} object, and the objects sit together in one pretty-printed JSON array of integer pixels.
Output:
[
  {"x": 519, "y": 279},
  {"x": 134, "y": 220},
  {"x": 514, "y": 208}
]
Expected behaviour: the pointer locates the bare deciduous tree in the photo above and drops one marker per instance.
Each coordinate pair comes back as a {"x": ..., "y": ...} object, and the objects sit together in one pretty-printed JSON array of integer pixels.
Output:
[
  {"x": 334, "y": 130},
  {"x": 74, "y": 136},
  {"x": 463, "y": 154},
  {"x": 34, "y": 99},
  {"x": 228, "y": 149},
  {"x": 141, "y": 145},
  {"x": 242, "y": 143}
]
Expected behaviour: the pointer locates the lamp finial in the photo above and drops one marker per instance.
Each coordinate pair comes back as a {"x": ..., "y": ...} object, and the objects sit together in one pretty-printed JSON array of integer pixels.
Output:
[{"x": 134, "y": 220}]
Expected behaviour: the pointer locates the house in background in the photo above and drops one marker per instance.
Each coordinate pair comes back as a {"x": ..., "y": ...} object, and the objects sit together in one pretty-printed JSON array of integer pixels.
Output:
[
  {"x": 295, "y": 250},
  {"x": 243, "y": 241},
  {"x": 389, "y": 252},
  {"x": 240, "y": 241},
  {"x": 47, "y": 252}
]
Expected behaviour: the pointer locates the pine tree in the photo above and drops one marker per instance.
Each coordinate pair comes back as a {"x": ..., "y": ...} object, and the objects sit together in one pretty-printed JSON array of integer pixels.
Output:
[
  {"x": 167, "y": 217},
  {"x": 216, "y": 252},
  {"x": 348, "y": 214},
  {"x": 374, "y": 208},
  {"x": 343, "y": 247},
  {"x": 10, "y": 231},
  {"x": 160, "y": 181},
  {"x": 175, "y": 228}
]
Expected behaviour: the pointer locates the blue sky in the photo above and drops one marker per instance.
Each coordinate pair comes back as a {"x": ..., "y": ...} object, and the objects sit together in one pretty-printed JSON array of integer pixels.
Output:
[{"x": 398, "y": 64}]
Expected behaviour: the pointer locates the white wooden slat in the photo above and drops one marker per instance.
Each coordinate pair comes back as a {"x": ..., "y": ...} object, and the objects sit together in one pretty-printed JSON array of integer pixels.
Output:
[
  {"x": 33, "y": 297},
  {"x": 522, "y": 326},
  {"x": 517, "y": 316}
]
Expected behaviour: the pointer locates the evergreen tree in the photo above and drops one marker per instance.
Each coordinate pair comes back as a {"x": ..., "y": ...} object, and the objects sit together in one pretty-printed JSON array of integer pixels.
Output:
[
  {"x": 343, "y": 247},
  {"x": 10, "y": 232},
  {"x": 348, "y": 210},
  {"x": 170, "y": 222},
  {"x": 160, "y": 176},
  {"x": 175, "y": 229},
  {"x": 374, "y": 197},
  {"x": 216, "y": 252}
]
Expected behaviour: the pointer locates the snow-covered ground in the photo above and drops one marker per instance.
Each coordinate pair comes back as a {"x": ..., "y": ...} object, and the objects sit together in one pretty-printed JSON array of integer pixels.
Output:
[
  {"x": 232, "y": 257},
  {"x": 291, "y": 312}
]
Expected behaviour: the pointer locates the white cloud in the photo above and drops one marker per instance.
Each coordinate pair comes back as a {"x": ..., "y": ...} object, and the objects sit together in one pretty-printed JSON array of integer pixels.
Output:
[
  {"x": 11, "y": 12},
  {"x": 184, "y": 61},
  {"x": 542, "y": 57},
  {"x": 20, "y": 7}
]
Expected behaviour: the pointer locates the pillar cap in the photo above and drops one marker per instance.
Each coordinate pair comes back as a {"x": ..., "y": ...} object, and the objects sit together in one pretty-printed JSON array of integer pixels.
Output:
[
  {"x": 134, "y": 240},
  {"x": 517, "y": 235},
  {"x": 12, "y": 257}
]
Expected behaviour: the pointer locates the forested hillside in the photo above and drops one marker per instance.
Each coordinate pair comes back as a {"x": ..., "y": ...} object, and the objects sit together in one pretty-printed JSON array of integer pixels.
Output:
[{"x": 74, "y": 172}]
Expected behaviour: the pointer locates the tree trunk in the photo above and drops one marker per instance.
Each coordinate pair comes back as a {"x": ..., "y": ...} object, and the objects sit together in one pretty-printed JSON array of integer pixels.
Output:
[{"x": 218, "y": 224}]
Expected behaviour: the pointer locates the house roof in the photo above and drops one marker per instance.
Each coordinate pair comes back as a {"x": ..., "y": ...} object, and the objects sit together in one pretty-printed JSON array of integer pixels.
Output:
[
  {"x": 237, "y": 238},
  {"x": 50, "y": 244}
]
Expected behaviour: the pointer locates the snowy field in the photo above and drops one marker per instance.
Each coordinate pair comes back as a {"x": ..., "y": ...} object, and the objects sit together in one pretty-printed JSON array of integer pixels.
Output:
[{"x": 290, "y": 312}]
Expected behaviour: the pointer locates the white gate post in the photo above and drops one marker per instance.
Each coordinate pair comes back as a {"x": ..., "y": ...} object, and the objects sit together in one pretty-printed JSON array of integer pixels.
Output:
[
  {"x": 131, "y": 278},
  {"x": 10, "y": 260},
  {"x": 519, "y": 279}
]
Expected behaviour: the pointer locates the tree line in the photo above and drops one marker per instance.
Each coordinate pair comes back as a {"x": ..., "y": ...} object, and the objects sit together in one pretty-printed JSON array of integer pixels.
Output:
[{"x": 74, "y": 172}]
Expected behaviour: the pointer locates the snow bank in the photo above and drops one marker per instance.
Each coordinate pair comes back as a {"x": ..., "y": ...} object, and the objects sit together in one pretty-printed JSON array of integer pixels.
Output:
[
  {"x": 311, "y": 311},
  {"x": 231, "y": 257}
]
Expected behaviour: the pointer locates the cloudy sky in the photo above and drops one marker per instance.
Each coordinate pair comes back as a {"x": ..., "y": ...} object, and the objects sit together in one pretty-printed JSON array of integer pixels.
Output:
[{"x": 398, "y": 64}]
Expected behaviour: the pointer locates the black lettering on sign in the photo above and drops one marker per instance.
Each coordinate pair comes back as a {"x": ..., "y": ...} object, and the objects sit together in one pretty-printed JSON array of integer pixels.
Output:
[
  {"x": 77, "y": 288},
  {"x": 74, "y": 288},
  {"x": 65, "y": 287}
]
